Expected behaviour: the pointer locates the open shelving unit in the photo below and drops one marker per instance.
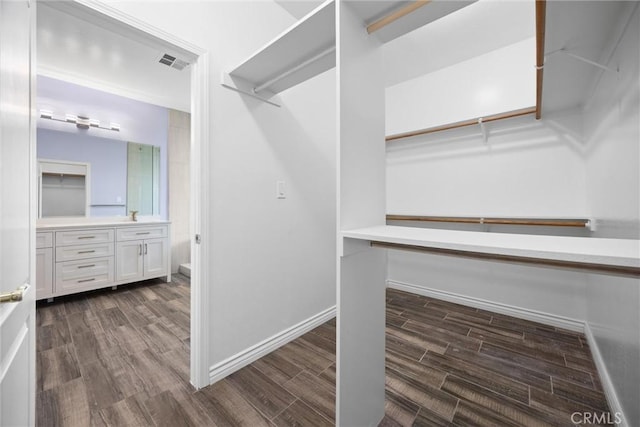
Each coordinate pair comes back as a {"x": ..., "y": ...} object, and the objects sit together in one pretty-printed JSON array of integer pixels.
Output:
[
  {"x": 620, "y": 256},
  {"x": 308, "y": 48}
]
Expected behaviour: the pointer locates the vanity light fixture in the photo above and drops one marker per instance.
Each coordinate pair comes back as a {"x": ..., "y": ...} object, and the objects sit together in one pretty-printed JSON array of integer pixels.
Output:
[{"x": 82, "y": 122}]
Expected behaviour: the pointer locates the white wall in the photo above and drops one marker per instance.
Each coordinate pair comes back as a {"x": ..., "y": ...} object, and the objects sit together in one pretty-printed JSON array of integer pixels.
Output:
[
  {"x": 495, "y": 82},
  {"x": 272, "y": 261},
  {"x": 612, "y": 130},
  {"x": 527, "y": 168}
]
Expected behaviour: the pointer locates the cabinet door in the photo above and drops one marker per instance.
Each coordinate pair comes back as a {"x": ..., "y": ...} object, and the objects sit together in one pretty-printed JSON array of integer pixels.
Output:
[
  {"x": 44, "y": 273},
  {"x": 155, "y": 257},
  {"x": 129, "y": 260}
]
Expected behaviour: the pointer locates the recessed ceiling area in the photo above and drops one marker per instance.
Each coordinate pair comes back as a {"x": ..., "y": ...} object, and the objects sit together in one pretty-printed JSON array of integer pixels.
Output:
[{"x": 74, "y": 49}]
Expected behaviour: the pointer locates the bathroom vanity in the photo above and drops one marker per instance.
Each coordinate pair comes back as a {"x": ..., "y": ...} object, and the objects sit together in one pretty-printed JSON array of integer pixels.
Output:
[{"x": 77, "y": 255}]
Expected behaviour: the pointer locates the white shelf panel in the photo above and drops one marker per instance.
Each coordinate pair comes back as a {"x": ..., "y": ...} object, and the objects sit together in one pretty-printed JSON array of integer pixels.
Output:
[
  {"x": 372, "y": 11},
  {"x": 310, "y": 36},
  {"x": 586, "y": 250}
]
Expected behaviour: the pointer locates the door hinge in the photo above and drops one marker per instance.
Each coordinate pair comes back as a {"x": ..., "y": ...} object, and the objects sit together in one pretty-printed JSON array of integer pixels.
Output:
[{"x": 198, "y": 239}]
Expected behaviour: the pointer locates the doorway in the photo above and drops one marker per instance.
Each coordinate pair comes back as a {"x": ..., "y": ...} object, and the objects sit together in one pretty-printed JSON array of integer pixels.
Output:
[{"x": 105, "y": 17}]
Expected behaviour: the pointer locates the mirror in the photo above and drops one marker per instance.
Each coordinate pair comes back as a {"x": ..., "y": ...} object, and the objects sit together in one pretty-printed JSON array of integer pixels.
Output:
[
  {"x": 143, "y": 179},
  {"x": 123, "y": 176}
]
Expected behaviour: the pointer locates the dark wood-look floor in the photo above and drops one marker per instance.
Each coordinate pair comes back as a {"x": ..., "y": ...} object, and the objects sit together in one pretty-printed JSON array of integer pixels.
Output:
[{"x": 121, "y": 357}]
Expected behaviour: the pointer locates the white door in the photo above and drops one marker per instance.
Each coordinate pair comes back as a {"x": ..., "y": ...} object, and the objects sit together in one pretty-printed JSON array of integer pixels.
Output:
[{"x": 17, "y": 237}]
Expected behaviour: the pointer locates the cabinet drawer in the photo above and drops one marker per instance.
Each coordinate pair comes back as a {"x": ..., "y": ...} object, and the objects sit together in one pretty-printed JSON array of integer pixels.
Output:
[
  {"x": 136, "y": 233},
  {"x": 44, "y": 240},
  {"x": 85, "y": 274},
  {"x": 79, "y": 237},
  {"x": 70, "y": 253}
]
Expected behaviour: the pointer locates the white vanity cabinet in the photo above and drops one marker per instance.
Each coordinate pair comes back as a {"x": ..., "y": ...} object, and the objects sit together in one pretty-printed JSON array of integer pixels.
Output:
[
  {"x": 142, "y": 253},
  {"x": 44, "y": 265},
  {"x": 84, "y": 260},
  {"x": 74, "y": 258}
]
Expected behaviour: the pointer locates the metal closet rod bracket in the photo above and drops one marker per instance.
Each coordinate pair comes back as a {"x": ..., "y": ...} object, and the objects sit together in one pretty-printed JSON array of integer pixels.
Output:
[{"x": 575, "y": 56}]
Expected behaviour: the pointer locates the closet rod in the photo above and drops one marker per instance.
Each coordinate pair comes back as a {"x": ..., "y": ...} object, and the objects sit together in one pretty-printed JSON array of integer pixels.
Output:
[
  {"x": 464, "y": 123},
  {"x": 394, "y": 16},
  {"x": 598, "y": 268},
  {"x": 541, "y": 12},
  {"x": 548, "y": 222}
]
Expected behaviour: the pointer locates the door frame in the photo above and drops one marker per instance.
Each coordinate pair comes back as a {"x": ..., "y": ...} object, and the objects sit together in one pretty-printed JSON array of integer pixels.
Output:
[{"x": 199, "y": 174}]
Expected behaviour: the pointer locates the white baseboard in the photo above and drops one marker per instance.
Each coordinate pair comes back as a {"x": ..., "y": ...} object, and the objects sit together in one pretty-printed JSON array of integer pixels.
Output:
[
  {"x": 242, "y": 359},
  {"x": 605, "y": 378},
  {"x": 509, "y": 310}
]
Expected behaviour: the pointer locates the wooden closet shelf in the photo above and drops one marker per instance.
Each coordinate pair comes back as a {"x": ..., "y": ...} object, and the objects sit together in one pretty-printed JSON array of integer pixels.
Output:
[
  {"x": 547, "y": 222},
  {"x": 464, "y": 123}
]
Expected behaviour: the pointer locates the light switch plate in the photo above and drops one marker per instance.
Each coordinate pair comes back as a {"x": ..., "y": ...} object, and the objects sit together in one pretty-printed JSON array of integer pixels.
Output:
[{"x": 280, "y": 190}]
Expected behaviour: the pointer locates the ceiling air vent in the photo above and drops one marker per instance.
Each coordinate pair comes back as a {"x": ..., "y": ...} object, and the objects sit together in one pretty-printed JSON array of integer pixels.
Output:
[{"x": 173, "y": 62}]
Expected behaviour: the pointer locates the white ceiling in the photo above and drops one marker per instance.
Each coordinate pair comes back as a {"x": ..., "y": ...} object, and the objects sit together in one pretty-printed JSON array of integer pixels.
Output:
[{"x": 72, "y": 49}]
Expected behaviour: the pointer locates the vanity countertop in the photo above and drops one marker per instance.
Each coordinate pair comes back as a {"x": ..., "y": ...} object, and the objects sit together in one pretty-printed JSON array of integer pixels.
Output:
[{"x": 43, "y": 224}]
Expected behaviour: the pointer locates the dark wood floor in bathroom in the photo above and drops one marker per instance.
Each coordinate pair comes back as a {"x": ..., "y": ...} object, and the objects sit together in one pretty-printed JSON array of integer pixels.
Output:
[{"x": 122, "y": 358}]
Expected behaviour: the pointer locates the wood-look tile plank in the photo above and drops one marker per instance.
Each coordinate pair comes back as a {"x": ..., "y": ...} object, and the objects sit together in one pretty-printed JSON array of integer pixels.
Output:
[
  {"x": 424, "y": 373},
  {"x": 52, "y": 335},
  {"x": 559, "y": 406},
  {"x": 400, "y": 409},
  {"x": 65, "y": 405},
  {"x": 83, "y": 323},
  {"x": 329, "y": 374},
  {"x": 77, "y": 303},
  {"x": 537, "y": 364},
  {"x": 159, "y": 338},
  {"x": 443, "y": 335},
  {"x": 580, "y": 363},
  {"x": 130, "y": 412},
  {"x": 480, "y": 376},
  {"x": 128, "y": 338},
  {"x": 392, "y": 319},
  {"x": 90, "y": 347},
  {"x": 441, "y": 403},
  {"x": 299, "y": 414},
  {"x": 263, "y": 393},
  {"x": 429, "y": 316},
  {"x": 151, "y": 375},
  {"x": 414, "y": 342},
  {"x": 316, "y": 392},
  {"x": 326, "y": 331},
  {"x": 166, "y": 411},
  {"x": 278, "y": 368},
  {"x": 320, "y": 345},
  {"x": 303, "y": 356},
  {"x": 469, "y": 414},
  {"x": 226, "y": 407},
  {"x": 518, "y": 413},
  {"x": 56, "y": 366},
  {"x": 49, "y": 313},
  {"x": 112, "y": 318},
  {"x": 101, "y": 300},
  {"x": 578, "y": 393},
  {"x": 427, "y": 418},
  {"x": 103, "y": 382},
  {"x": 508, "y": 369},
  {"x": 522, "y": 346}
]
